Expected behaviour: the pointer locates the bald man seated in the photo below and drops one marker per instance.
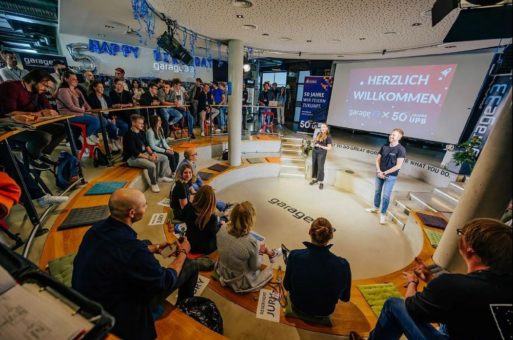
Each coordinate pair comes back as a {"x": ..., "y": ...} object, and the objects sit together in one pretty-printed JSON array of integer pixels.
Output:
[{"x": 115, "y": 269}]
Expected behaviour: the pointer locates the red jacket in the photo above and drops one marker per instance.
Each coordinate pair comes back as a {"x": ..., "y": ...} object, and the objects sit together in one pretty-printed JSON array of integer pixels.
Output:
[{"x": 10, "y": 194}]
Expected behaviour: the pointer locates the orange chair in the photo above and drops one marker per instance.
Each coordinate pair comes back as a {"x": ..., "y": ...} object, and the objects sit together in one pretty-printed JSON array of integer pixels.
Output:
[
  {"x": 268, "y": 122},
  {"x": 85, "y": 145}
]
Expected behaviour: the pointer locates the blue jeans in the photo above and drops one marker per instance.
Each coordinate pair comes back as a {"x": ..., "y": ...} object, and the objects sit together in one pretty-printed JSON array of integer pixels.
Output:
[
  {"x": 122, "y": 127},
  {"x": 92, "y": 123},
  {"x": 222, "y": 117},
  {"x": 170, "y": 115},
  {"x": 190, "y": 121},
  {"x": 112, "y": 129},
  {"x": 220, "y": 205},
  {"x": 384, "y": 186},
  {"x": 394, "y": 321}
]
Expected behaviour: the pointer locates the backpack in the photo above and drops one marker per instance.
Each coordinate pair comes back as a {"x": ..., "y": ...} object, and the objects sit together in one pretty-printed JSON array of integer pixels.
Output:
[
  {"x": 67, "y": 170},
  {"x": 99, "y": 158},
  {"x": 204, "y": 311}
]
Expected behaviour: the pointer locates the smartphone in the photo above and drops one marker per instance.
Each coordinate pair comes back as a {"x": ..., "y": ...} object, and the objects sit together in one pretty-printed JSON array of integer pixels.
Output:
[{"x": 169, "y": 250}]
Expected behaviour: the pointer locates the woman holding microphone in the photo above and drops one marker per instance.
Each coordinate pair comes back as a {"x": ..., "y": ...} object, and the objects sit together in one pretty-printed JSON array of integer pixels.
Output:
[{"x": 321, "y": 144}]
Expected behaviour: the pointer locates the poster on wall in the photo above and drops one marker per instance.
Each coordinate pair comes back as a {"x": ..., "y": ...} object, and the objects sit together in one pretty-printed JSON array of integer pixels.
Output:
[
  {"x": 32, "y": 61},
  {"x": 315, "y": 102}
]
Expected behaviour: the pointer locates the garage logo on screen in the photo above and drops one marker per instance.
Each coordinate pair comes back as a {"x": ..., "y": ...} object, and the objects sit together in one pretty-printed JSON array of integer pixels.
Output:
[{"x": 412, "y": 95}]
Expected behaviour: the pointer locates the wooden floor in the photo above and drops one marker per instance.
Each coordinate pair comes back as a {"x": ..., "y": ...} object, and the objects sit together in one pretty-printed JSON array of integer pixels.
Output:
[{"x": 353, "y": 316}]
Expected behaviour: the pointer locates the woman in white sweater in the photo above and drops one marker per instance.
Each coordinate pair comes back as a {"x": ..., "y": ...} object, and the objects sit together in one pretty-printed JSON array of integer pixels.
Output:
[
  {"x": 157, "y": 141},
  {"x": 240, "y": 255}
]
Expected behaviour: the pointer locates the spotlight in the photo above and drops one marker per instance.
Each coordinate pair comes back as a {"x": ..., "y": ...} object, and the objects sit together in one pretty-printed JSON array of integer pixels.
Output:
[
  {"x": 384, "y": 51},
  {"x": 246, "y": 67}
]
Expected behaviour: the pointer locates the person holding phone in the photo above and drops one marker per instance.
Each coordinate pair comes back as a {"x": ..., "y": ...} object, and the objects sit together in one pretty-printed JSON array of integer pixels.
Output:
[
  {"x": 182, "y": 192},
  {"x": 322, "y": 143}
]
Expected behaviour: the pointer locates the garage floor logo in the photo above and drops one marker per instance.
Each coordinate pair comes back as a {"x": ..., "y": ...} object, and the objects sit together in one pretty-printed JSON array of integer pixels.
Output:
[{"x": 295, "y": 213}]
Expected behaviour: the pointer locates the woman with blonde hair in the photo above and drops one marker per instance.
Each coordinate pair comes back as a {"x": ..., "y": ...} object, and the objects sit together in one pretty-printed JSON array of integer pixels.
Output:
[
  {"x": 240, "y": 254},
  {"x": 321, "y": 145},
  {"x": 202, "y": 223},
  {"x": 182, "y": 192}
]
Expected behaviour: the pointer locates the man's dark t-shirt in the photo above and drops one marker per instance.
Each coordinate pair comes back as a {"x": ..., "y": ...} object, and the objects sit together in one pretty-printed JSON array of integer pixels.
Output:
[
  {"x": 134, "y": 144},
  {"x": 463, "y": 303},
  {"x": 202, "y": 241},
  {"x": 389, "y": 155}
]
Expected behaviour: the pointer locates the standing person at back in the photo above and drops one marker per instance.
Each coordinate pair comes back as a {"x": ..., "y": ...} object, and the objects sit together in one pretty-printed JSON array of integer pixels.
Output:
[{"x": 388, "y": 162}]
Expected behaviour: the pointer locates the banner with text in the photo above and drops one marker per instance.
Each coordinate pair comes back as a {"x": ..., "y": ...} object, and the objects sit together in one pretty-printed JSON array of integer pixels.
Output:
[
  {"x": 315, "y": 102},
  {"x": 488, "y": 108},
  {"x": 32, "y": 61}
]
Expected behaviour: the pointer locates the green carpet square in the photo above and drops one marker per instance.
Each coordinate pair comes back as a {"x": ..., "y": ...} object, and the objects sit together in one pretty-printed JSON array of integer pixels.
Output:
[
  {"x": 434, "y": 237},
  {"x": 377, "y": 294},
  {"x": 105, "y": 188}
]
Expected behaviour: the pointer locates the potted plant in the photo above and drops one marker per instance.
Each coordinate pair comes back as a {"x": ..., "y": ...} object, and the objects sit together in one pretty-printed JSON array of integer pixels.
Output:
[{"x": 465, "y": 156}]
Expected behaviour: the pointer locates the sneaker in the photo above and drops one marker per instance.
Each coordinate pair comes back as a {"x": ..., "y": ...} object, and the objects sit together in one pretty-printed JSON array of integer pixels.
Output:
[
  {"x": 382, "y": 219},
  {"x": 205, "y": 264},
  {"x": 165, "y": 179},
  {"x": 38, "y": 165},
  {"x": 202, "y": 134},
  {"x": 118, "y": 144},
  {"x": 86, "y": 153},
  {"x": 113, "y": 147},
  {"x": 155, "y": 188},
  {"x": 276, "y": 253},
  {"x": 193, "y": 136},
  {"x": 48, "y": 160},
  {"x": 313, "y": 182},
  {"x": 47, "y": 199},
  {"x": 372, "y": 210},
  {"x": 92, "y": 140},
  {"x": 218, "y": 131},
  {"x": 321, "y": 186}
]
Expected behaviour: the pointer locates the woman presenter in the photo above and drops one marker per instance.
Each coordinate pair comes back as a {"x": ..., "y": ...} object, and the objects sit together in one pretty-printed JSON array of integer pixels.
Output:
[{"x": 321, "y": 144}]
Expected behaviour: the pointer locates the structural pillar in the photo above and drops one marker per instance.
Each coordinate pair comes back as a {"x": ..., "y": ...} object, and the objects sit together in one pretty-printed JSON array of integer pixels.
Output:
[
  {"x": 235, "y": 64},
  {"x": 488, "y": 191}
]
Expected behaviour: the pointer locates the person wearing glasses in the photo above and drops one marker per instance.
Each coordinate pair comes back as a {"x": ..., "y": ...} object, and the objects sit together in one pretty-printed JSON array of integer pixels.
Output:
[{"x": 461, "y": 303}]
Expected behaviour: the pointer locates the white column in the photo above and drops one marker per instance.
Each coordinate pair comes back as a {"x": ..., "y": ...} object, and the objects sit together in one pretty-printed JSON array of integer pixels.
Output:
[
  {"x": 235, "y": 63},
  {"x": 488, "y": 191}
]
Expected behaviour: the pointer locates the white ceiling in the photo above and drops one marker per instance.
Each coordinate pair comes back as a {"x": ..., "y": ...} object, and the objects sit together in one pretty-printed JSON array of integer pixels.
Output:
[{"x": 338, "y": 29}]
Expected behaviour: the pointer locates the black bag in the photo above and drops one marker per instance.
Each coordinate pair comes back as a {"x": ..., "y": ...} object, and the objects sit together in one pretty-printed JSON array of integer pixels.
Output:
[
  {"x": 99, "y": 158},
  {"x": 224, "y": 157},
  {"x": 204, "y": 311}
]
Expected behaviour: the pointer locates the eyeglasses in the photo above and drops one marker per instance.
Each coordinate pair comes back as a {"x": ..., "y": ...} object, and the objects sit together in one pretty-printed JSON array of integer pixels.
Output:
[{"x": 459, "y": 232}]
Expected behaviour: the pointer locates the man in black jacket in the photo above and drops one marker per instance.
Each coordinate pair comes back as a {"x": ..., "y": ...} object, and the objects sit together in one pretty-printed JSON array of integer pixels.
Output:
[{"x": 468, "y": 306}]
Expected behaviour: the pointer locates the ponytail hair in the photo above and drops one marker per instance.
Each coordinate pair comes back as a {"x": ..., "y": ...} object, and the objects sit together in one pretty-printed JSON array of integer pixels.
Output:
[{"x": 321, "y": 231}]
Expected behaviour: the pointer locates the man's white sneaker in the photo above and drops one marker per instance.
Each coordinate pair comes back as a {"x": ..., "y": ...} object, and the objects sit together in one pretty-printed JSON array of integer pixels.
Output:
[
  {"x": 113, "y": 146},
  {"x": 165, "y": 179},
  {"x": 92, "y": 140},
  {"x": 202, "y": 134},
  {"x": 118, "y": 144},
  {"x": 155, "y": 188},
  {"x": 47, "y": 199},
  {"x": 372, "y": 210},
  {"x": 382, "y": 219}
]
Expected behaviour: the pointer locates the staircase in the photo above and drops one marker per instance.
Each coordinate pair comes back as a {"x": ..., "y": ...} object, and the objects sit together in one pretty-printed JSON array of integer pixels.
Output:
[
  {"x": 292, "y": 161},
  {"x": 443, "y": 200}
]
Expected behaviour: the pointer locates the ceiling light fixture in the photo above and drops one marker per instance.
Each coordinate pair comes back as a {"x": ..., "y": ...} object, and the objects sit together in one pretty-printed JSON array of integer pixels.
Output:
[
  {"x": 249, "y": 27},
  {"x": 242, "y": 3},
  {"x": 416, "y": 24},
  {"x": 265, "y": 34},
  {"x": 362, "y": 38},
  {"x": 285, "y": 39},
  {"x": 246, "y": 67},
  {"x": 309, "y": 41},
  {"x": 240, "y": 16}
]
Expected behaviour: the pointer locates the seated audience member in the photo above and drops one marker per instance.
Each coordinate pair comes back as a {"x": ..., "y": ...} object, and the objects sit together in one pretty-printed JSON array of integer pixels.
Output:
[
  {"x": 138, "y": 154},
  {"x": 179, "y": 96},
  {"x": 240, "y": 255},
  {"x": 182, "y": 192},
  {"x": 86, "y": 87},
  {"x": 59, "y": 69},
  {"x": 137, "y": 91},
  {"x": 158, "y": 142},
  {"x": 115, "y": 127},
  {"x": 119, "y": 74},
  {"x": 26, "y": 99},
  {"x": 202, "y": 223},
  {"x": 121, "y": 98},
  {"x": 317, "y": 265},
  {"x": 204, "y": 108},
  {"x": 71, "y": 101},
  {"x": 169, "y": 114},
  {"x": 190, "y": 157},
  {"x": 150, "y": 98},
  {"x": 11, "y": 71},
  {"x": 115, "y": 269},
  {"x": 461, "y": 303}
]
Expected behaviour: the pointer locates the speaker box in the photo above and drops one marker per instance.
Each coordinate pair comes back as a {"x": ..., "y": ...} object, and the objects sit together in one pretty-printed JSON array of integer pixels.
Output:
[{"x": 169, "y": 44}]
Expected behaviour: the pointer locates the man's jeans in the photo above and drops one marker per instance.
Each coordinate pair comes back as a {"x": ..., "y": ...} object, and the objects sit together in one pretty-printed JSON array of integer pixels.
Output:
[
  {"x": 383, "y": 186},
  {"x": 222, "y": 117},
  {"x": 169, "y": 116},
  {"x": 394, "y": 321}
]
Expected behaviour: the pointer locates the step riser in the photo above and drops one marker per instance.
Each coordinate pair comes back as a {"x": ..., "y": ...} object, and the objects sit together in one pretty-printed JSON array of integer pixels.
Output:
[
  {"x": 456, "y": 186},
  {"x": 414, "y": 198},
  {"x": 446, "y": 196}
]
